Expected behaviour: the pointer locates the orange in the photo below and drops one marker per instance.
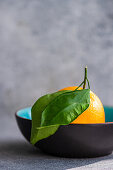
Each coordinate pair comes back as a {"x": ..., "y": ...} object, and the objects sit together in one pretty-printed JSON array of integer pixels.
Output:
[{"x": 94, "y": 113}]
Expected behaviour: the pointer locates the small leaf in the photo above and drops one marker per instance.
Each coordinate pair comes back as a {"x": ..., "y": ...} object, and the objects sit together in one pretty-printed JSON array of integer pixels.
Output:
[
  {"x": 38, "y": 133},
  {"x": 65, "y": 108}
]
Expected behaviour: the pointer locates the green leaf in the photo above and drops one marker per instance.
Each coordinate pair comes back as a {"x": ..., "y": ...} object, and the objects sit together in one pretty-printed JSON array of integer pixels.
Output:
[
  {"x": 60, "y": 108},
  {"x": 65, "y": 108},
  {"x": 38, "y": 133}
]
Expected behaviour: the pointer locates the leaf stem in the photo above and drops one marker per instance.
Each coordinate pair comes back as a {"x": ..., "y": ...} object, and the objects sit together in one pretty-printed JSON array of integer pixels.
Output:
[
  {"x": 88, "y": 84},
  {"x": 79, "y": 86},
  {"x": 85, "y": 78},
  {"x": 85, "y": 81}
]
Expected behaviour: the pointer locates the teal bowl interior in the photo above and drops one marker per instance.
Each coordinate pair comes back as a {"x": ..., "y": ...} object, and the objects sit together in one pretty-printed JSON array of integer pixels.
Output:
[
  {"x": 26, "y": 113},
  {"x": 108, "y": 113}
]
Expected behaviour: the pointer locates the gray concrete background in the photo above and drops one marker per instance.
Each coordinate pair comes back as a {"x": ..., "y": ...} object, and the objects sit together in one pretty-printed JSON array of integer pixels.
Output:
[{"x": 44, "y": 46}]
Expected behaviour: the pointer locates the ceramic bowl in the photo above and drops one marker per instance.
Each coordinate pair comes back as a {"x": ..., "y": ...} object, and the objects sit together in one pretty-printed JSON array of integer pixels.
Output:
[{"x": 74, "y": 140}]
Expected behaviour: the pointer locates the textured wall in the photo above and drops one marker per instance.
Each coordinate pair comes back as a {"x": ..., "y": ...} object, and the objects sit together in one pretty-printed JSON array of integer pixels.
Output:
[{"x": 44, "y": 46}]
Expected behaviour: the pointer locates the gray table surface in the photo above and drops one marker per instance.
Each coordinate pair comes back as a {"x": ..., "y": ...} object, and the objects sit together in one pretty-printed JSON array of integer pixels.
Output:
[{"x": 17, "y": 153}]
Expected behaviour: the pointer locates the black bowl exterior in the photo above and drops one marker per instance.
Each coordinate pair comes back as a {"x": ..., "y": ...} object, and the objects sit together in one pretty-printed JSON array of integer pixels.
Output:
[
  {"x": 78, "y": 140},
  {"x": 24, "y": 126}
]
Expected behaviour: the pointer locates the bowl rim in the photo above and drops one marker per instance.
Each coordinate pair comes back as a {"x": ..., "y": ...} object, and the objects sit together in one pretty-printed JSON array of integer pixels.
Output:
[{"x": 83, "y": 124}]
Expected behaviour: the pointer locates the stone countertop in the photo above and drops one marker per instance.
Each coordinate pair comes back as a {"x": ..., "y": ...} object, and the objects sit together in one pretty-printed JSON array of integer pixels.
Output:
[{"x": 17, "y": 154}]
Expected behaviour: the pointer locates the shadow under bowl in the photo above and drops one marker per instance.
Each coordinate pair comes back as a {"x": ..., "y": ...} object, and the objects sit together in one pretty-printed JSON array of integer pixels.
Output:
[{"x": 74, "y": 140}]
